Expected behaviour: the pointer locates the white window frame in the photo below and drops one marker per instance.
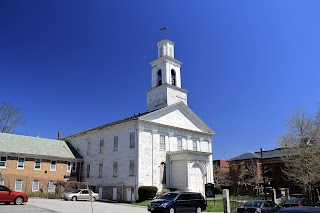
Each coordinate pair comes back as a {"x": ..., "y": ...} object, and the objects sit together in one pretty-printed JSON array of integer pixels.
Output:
[
  {"x": 3, "y": 162},
  {"x": 115, "y": 143},
  {"x": 16, "y": 184},
  {"x": 162, "y": 143},
  {"x": 1, "y": 181},
  {"x": 20, "y": 164},
  {"x": 37, "y": 163},
  {"x": 69, "y": 166},
  {"x": 74, "y": 167},
  {"x": 88, "y": 171},
  {"x": 179, "y": 144},
  {"x": 101, "y": 146},
  {"x": 131, "y": 168},
  {"x": 132, "y": 140},
  {"x": 35, "y": 185},
  {"x": 115, "y": 168},
  {"x": 100, "y": 170},
  {"x": 89, "y": 148},
  {"x": 53, "y": 166},
  {"x": 51, "y": 186},
  {"x": 195, "y": 145}
]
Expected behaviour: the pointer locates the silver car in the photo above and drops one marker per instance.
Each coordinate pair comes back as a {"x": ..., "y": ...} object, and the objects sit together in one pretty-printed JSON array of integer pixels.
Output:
[{"x": 81, "y": 194}]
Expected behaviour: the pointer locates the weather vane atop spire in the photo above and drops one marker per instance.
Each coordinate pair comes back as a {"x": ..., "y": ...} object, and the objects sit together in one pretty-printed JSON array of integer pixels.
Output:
[{"x": 165, "y": 31}]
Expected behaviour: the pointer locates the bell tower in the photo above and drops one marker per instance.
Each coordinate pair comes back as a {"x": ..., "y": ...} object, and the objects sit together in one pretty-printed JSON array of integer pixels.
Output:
[{"x": 166, "y": 78}]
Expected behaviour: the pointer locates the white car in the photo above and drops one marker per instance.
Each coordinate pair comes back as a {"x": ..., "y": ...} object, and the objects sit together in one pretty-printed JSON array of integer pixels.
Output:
[{"x": 81, "y": 194}]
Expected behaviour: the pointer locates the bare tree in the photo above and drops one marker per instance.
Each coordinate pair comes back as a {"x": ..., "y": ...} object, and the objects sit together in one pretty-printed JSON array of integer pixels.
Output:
[
  {"x": 302, "y": 164},
  {"x": 221, "y": 178},
  {"x": 10, "y": 117}
]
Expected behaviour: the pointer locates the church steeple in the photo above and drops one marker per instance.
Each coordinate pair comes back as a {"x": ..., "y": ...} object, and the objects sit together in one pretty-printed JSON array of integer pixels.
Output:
[{"x": 166, "y": 78}]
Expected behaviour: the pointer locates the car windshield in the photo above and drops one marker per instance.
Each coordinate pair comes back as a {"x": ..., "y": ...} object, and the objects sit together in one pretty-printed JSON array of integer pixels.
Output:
[
  {"x": 252, "y": 204},
  {"x": 169, "y": 196},
  {"x": 76, "y": 191}
]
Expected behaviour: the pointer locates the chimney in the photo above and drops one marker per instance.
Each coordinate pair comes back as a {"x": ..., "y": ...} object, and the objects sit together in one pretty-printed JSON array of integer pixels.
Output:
[{"x": 59, "y": 135}]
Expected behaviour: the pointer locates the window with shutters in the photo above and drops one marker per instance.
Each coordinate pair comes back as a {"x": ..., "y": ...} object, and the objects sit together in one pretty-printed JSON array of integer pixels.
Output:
[
  {"x": 131, "y": 168},
  {"x": 162, "y": 143}
]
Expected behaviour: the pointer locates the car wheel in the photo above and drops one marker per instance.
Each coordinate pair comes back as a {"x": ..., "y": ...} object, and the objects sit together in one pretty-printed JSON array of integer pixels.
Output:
[
  {"x": 93, "y": 199},
  {"x": 171, "y": 210},
  {"x": 74, "y": 198},
  {"x": 18, "y": 201},
  {"x": 198, "y": 210}
]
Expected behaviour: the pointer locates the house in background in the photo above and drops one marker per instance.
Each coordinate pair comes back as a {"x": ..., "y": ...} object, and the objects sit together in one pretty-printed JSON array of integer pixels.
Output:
[
  {"x": 273, "y": 165},
  {"x": 31, "y": 163},
  {"x": 168, "y": 146}
]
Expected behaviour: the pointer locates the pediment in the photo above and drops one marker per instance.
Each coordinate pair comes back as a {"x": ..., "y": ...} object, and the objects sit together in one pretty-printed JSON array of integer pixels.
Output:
[{"x": 178, "y": 115}]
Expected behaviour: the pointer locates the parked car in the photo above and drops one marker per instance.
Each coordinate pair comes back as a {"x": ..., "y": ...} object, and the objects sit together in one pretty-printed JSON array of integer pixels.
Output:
[
  {"x": 258, "y": 206},
  {"x": 8, "y": 196},
  {"x": 80, "y": 194},
  {"x": 304, "y": 209},
  {"x": 299, "y": 202},
  {"x": 178, "y": 202}
]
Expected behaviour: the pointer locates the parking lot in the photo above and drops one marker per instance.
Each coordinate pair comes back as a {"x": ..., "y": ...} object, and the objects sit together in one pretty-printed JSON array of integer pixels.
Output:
[{"x": 35, "y": 205}]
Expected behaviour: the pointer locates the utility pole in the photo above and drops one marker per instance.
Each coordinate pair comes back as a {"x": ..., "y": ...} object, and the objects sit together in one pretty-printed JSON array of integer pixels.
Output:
[{"x": 263, "y": 176}]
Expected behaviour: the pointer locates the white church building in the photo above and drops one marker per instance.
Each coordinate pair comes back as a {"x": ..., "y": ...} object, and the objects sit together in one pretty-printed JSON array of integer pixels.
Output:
[{"x": 168, "y": 146}]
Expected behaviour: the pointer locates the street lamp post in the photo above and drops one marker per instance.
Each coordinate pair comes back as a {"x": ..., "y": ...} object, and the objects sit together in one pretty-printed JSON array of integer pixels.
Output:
[{"x": 263, "y": 176}]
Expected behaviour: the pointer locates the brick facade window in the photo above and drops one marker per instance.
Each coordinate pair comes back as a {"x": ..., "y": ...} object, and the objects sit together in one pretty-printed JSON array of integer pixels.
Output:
[
  {"x": 18, "y": 185},
  {"x": 35, "y": 186},
  {"x": 3, "y": 162},
  {"x": 53, "y": 165},
  {"x": 37, "y": 164},
  {"x": 20, "y": 163},
  {"x": 51, "y": 186}
]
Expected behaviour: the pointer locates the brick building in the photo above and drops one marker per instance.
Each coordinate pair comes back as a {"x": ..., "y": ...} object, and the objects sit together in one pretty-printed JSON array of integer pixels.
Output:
[{"x": 32, "y": 163}]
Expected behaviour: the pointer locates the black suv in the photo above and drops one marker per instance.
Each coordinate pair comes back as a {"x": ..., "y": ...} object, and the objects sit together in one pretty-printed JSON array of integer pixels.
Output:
[{"x": 175, "y": 202}]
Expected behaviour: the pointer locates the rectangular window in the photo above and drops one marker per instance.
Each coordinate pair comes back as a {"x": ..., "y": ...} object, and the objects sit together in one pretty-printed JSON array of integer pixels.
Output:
[
  {"x": 35, "y": 186},
  {"x": 18, "y": 185},
  {"x": 51, "y": 186},
  {"x": 179, "y": 144},
  {"x": 131, "y": 168},
  {"x": 37, "y": 164},
  {"x": 194, "y": 145},
  {"x": 69, "y": 166},
  {"x": 3, "y": 162},
  {"x": 88, "y": 170},
  {"x": 115, "y": 169},
  {"x": 89, "y": 148},
  {"x": 1, "y": 182},
  {"x": 101, "y": 145},
  {"x": 132, "y": 139},
  {"x": 162, "y": 143},
  {"x": 100, "y": 169},
  {"x": 20, "y": 164},
  {"x": 115, "y": 143},
  {"x": 74, "y": 167},
  {"x": 53, "y": 165}
]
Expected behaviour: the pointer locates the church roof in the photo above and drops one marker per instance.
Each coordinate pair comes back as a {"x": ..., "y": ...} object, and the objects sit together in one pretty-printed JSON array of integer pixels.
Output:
[
  {"x": 23, "y": 146},
  {"x": 142, "y": 117}
]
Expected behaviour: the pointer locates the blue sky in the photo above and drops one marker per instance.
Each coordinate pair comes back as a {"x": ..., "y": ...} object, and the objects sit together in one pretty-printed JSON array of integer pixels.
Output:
[{"x": 247, "y": 65}]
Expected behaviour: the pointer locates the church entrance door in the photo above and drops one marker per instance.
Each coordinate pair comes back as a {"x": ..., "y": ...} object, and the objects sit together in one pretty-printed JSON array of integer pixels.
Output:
[{"x": 196, "y": 179}]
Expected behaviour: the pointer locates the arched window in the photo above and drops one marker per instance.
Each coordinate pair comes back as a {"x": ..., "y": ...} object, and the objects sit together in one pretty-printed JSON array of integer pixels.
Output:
[
  {"x": 159, "y": 77},
  {"x": 173, "y": 77},
  {"x": 163, "y": 173}
]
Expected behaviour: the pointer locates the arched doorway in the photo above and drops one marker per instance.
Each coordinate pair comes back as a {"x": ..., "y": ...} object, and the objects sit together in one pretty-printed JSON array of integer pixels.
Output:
[{"x": 196, "y": 178}]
